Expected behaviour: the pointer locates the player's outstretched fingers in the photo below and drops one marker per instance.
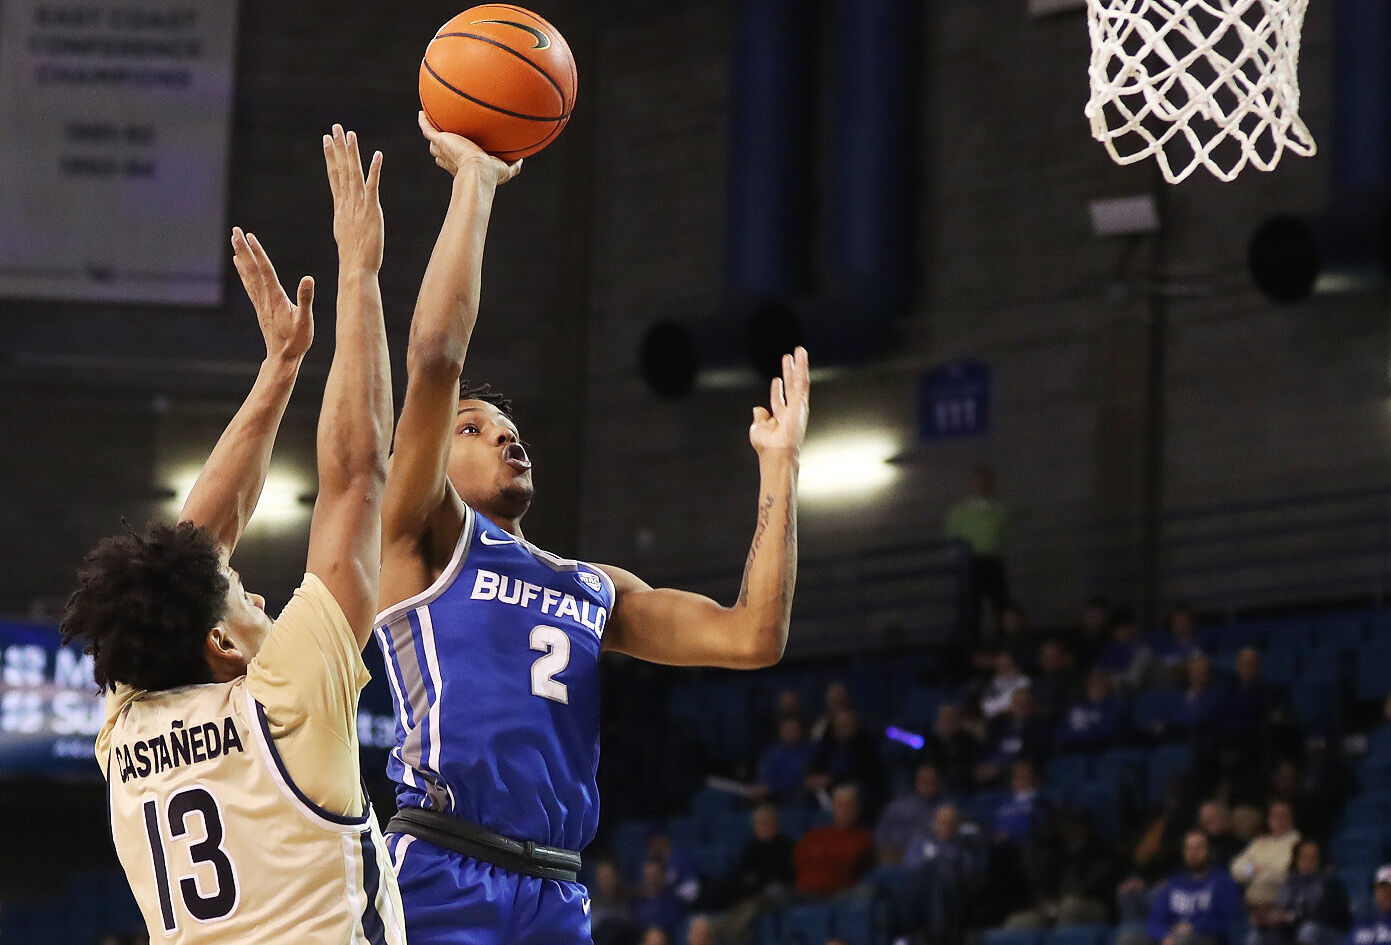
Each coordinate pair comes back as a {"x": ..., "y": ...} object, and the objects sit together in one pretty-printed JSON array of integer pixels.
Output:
[
  {"x": 305, "y": 296},
  {"x": 374, "y": 176}
]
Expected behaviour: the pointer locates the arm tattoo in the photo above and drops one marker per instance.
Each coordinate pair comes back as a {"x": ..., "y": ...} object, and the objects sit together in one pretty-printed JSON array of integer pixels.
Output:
[{"x": 764, "y": 509}]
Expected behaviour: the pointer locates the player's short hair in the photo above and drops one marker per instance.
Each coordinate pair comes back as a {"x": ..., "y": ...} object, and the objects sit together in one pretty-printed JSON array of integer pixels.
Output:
[
  {"x": 488, "y": 395},
  {"x": 144, "y": 605}
]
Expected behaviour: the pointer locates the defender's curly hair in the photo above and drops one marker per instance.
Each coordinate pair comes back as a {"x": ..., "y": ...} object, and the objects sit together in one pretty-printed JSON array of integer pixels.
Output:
[
  {"x": 144, "y": 605},
  {"x": 485, "y": 393}
]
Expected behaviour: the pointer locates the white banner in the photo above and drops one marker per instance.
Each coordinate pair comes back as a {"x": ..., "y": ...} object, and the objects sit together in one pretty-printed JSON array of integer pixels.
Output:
[{"x": 114, "y": 120}]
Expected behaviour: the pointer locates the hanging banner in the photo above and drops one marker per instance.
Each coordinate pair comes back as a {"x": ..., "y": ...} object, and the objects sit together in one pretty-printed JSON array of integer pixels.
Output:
[
  {"x": 114, "y": 124},
  {"x": 954, "y": 400}
]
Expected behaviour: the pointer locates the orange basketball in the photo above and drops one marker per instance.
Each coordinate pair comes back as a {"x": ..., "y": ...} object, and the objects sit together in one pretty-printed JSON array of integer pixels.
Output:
[{"x": 502, "y": 77}]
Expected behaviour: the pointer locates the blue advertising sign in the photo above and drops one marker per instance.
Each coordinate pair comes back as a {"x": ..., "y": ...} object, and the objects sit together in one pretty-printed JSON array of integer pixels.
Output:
[
  {"x": 50, "y": 711},
  {"x": 954, "y": 400}
]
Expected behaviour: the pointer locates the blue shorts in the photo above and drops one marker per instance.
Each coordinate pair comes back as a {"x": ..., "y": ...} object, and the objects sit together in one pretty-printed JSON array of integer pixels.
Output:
[{"x": 452, "y": 899}]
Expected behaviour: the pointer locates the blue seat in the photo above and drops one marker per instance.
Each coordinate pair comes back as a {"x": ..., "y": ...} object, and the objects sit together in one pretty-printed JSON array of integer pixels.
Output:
[
  {"x": 1281, "y": 665},
  {"x": 1373, "y": 681},
  {"x": 920, "y": 706},
  {"x": 1068, "y": 772},
  {"x": 806, "y": 925},
  {"x": 1105, "y": 804},
  {"x": 1079, "y": 935},
  {"x": 1379, "y": 743},
  {"x": 1166, "y": 763},
  {"x": 856, "y": 923},
  {"x": 1316, "y": 705},
  {"x": 1014, "y": 937}
]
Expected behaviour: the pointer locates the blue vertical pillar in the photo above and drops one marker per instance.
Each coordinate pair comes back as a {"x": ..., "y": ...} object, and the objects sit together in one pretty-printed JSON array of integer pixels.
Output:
[
  {"x": 771, "y": 144},
  {"x": 875, "y": 168}
]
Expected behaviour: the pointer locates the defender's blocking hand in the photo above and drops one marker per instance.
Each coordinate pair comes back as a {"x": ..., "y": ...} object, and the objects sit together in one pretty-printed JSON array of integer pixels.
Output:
[
  {"x": 288, "y": 327},
  {"x": 357, "y": 210}
]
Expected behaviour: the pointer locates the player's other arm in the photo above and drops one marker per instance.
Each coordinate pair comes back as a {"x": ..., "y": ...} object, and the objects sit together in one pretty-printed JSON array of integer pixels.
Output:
[
  {"x": 418, "y": 500},
  {"x": 664, "y": 625},
  {"x": 355, "y": 420},
  {"x": 230, "y": 482}
]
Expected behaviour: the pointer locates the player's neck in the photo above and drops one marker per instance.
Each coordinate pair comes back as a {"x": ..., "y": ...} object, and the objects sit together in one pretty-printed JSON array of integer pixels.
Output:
[{"x": 512, "y": 525}]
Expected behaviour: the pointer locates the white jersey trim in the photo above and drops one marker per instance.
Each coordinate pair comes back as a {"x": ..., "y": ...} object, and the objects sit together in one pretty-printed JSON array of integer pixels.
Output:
[{"x": 441, "y": 584}]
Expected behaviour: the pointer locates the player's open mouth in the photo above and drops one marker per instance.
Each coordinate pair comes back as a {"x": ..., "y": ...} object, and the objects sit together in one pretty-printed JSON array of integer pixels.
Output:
[{"x": 515, "y": 456}]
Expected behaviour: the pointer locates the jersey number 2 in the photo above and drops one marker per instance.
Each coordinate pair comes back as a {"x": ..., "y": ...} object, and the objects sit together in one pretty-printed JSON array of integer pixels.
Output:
[
  {"x": 223, "y": 899},
  {"x": 553, "y": 642}
]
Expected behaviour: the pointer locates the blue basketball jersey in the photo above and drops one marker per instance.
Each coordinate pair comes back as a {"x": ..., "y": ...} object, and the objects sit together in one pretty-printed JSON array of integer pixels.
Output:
[{"x": 494, "y": 670}]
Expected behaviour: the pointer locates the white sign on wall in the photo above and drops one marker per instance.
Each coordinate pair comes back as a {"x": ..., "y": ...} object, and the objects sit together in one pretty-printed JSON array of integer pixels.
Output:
[{"x": 114, "y": 119}]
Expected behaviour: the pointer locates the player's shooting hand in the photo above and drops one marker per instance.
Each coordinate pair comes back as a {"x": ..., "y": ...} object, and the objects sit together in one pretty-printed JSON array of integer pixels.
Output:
[
  {"x": 288, "y": 327},
  {"x": 452, "y": 152},
  {"x": 357, "y": 211},
  {"x": 782, "y": 426}
]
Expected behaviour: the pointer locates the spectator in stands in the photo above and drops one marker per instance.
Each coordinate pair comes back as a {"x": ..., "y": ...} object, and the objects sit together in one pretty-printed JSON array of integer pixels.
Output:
[
  {"x": 609, "y": 915},
  {"x": 680, "y": 875},
  {"x": 1312, "y": 810},
  {"x": 948, "y": 874},
  {"x": 830, "y": 860},
  {"x": 951, "y": 747},
  {"x": 1126, "y": 657},
  {"x": 657, "y": 905},
  {"x": 1173, "y": 649},
  {"x": 848, "y": 754},
  {"x": 1008, "y": 679},
  {"x": 837, "y": 699},
  {"x": 978, "y": 520},
  {"x": 1070, "y": 875},
  {"x": 1024, "y": 811},
  {"x": 1193, "y": 713},
  {"x": 1096, "y": 721},
  {"x": 782, "y": 768},
  {"x": 763, "y": 877},
  {"x": 700, "y": 931},
  {"x": 1020, "y": 735},
  {"x": 1055, "y": 686},
  {"x": 1215, "y": 821},
  {"x": 1311, "y": 907},
  {"x": 1093, "y": 629},
  {"x": 1199, "y": 905},
  {"x": 1262, "y": 867},
  {"x": 655, "y": 935},
  {"x": 1376, "y": 930},
  {"x": 910, "y": 815},
  {"x": 1254, "y": 723}
]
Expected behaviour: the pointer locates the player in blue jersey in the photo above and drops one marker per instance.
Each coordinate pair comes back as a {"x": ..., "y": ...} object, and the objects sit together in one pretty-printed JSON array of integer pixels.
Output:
[{"x": 492, "y": 645}]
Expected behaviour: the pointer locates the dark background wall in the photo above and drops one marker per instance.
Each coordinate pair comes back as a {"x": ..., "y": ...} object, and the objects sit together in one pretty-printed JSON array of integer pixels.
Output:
[{"x": 621, "y": 223}]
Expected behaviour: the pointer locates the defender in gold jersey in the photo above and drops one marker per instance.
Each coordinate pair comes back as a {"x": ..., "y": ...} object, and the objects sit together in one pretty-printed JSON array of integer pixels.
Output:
[{"x": 230, "y": 741}]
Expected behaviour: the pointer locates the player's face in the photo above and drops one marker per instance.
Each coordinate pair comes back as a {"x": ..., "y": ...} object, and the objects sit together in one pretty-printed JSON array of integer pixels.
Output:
[
  {"x": 246, "y": 621},
  {"x": 488, "y": 464}
]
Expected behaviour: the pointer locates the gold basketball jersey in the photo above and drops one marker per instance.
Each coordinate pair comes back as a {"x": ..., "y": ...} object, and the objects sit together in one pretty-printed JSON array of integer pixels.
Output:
[{"x": 218, "y": 843}]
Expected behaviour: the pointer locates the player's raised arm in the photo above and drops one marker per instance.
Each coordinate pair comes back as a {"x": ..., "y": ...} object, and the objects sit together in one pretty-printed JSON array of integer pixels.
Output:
[
  {"x": 680, "y": 628},
  {"x": 230, "y": 483},
  {"x": 418, "y": 500},
  {"x": 355, "y": 420}
]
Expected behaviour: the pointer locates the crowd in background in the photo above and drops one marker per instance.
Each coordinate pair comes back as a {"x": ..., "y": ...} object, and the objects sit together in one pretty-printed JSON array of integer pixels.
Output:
[{"x": 973, "y": 837}]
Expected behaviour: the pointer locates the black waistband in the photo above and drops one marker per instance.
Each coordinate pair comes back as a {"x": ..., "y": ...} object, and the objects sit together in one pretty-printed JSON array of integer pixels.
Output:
[{"x": 462, "y": 836}]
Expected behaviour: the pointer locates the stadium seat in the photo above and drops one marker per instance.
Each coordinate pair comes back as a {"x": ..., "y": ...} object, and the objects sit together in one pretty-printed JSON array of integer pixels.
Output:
[
  {"x": 1166, "y": 763},
  {"x": 856, "y": 923},
  {"x": 1067, "y": 773},
  {"x": 920, "y": 706},
  {"x": 1014, "y": 937},
  {"x": 1079, "y": 935},
  {"x": 806, "y": 925},
  {"x": 1373, "y": 681}
]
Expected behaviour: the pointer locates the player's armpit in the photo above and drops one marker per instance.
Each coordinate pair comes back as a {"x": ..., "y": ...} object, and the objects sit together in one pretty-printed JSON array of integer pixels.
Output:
[{"x": 679, "y": 628}]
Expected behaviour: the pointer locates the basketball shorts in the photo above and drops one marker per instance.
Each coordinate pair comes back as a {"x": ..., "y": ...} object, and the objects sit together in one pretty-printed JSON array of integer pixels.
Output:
[{"x": 453, "y": 899}]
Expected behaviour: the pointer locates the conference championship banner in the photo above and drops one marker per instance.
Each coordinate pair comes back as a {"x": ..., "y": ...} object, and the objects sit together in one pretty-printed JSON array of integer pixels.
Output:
[{"x": 114, "y": 124}]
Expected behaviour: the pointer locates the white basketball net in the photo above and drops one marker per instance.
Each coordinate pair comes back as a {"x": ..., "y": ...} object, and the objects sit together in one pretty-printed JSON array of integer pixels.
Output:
[{"x": 1209, "y": 83}]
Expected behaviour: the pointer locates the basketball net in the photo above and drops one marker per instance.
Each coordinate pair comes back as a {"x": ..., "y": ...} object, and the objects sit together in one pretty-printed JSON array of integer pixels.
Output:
[{"x": 1210, "y": 83}]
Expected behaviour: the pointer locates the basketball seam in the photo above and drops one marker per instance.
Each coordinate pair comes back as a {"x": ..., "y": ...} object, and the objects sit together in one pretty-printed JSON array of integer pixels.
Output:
[
  {"x": 492, "y": 42},
  {"x": 479, "y": 102},
  {"x": 550, "y": 136}
]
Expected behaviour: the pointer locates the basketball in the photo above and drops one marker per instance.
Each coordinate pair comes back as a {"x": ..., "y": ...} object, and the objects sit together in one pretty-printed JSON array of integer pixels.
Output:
[{"x": 500, "y": 76}]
